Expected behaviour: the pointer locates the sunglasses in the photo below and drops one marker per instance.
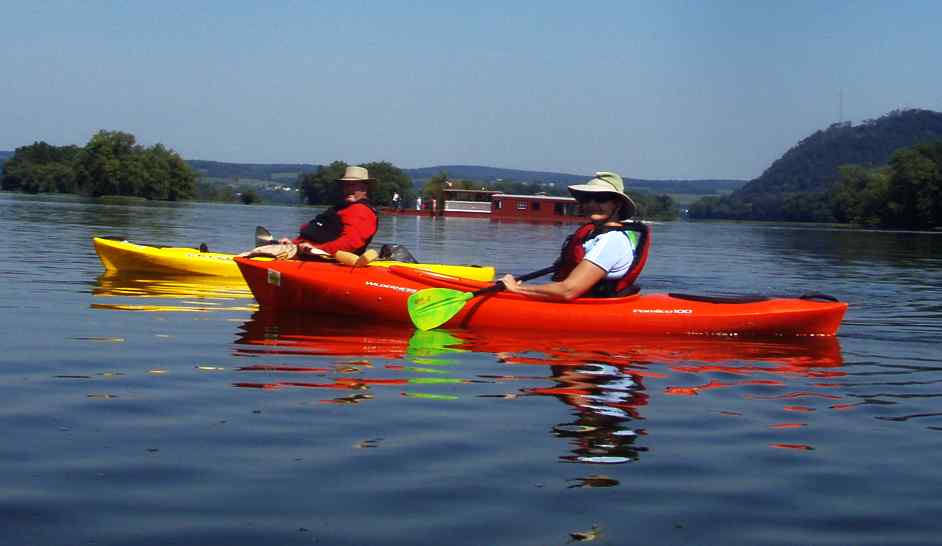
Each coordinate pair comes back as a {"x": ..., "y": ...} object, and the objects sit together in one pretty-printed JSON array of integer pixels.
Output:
[{"x": 593, "y": 197}]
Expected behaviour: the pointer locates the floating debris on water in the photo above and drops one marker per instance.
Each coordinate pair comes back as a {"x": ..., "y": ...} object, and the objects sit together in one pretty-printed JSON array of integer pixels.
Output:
[
  {"x": 593, "y": 480},
  {"x": 367, "y": 444},
  {"x": 104, "y": 339},
  {"x": 157, "y": 371},
  {"x": 352, "y": 399},
  {"x": 208, "y": 368},
  {"x": 102, "y": 396},
  {"x": 585, "y": 536},
  {"x": 797, "y": 447}
]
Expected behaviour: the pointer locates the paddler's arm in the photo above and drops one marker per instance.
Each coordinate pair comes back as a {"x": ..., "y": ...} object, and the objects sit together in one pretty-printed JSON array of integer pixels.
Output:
[{"x": 582, "y": 278}]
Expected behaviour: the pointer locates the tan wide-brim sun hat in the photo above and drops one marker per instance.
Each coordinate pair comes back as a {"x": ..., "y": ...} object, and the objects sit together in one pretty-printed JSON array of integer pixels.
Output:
[
  {"x": 355, "y": 173},
  {"x": 606, "y": 182}
]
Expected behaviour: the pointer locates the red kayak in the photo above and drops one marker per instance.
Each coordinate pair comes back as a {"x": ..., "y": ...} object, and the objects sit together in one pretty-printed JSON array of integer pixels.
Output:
[{"x": 381, "y": 294}]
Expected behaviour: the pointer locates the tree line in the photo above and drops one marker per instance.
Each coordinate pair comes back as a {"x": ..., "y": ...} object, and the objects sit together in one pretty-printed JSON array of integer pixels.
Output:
[
  {"x": 111, "y": 163},
  {"x": 907, "y": 193}
]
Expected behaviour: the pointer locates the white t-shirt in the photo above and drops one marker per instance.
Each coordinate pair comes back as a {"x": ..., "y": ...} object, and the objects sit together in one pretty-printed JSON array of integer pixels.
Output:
[{"x": 612, "y": 251}]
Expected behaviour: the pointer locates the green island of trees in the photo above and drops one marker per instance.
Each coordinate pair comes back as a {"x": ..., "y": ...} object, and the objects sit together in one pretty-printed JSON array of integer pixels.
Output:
[
  {"x": 112, "y": 163},
  {"x": 321, "y": 187}
]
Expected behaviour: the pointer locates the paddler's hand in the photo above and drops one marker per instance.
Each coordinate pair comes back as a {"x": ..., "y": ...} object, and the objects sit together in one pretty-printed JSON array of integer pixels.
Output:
[
  {"x": 511, "y": 284},
  {"x": 285, "y": 241},
  {"x": 305, "y": 249}
]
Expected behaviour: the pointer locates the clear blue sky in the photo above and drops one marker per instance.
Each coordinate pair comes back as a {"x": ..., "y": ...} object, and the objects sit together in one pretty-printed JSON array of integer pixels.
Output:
[{"x": 655, "y": 89}]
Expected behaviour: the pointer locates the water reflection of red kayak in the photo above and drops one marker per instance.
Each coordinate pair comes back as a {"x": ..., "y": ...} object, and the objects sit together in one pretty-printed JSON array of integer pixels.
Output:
[
  {"x": 605, "y": 380},
  {"x": 382, "y": 293},
  {"x": 317, "y": 335}
]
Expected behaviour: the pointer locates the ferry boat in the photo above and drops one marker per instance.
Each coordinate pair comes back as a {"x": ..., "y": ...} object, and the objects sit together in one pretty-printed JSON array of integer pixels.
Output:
[
  {"x": 499, "y": 206},
  {"x": 534, "y": 208}
]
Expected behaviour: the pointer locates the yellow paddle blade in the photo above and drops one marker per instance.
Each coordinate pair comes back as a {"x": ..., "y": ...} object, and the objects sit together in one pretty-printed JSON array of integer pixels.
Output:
[{"x": 432, "y": 307}]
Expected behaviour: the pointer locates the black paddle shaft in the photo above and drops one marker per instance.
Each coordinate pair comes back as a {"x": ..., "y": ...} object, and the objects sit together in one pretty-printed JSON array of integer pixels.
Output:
[{"x": 499, "y": 285}]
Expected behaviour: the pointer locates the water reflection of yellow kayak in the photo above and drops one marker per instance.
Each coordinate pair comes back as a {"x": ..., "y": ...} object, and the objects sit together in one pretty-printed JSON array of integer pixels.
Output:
[
  {"x": 192, "y": 293},
  {"x": 125, "y": 256}
]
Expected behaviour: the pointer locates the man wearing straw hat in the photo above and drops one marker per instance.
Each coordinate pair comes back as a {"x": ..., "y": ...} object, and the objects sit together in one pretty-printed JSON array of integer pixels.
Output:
[{"x": 347, "y": 227}]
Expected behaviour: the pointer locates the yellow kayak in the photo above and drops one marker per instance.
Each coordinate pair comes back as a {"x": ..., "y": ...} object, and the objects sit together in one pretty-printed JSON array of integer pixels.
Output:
[{"x": 126, "y": 256}]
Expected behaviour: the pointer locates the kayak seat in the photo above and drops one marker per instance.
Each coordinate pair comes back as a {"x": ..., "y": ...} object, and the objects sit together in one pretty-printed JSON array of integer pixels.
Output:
[
  {"x": 396, "y": 253},
  {"x": 630, "y": 291},
  {"x": 718, "y": 299},
  {"x": 817, "y": 296},
  {"x": 204, "y": 247}
]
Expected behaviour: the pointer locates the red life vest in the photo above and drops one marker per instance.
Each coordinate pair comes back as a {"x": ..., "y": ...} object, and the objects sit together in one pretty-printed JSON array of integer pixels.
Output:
[
  {"x": 328, "y": 227},
  {"x": 573, "y": 252}
]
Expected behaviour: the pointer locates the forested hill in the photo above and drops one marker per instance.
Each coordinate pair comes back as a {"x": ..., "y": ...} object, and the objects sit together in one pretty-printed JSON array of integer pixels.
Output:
[
  {"x": 812, "y": 164},
  {"x": 4, "y": 156},
  {"x": 798, "y": 186}
]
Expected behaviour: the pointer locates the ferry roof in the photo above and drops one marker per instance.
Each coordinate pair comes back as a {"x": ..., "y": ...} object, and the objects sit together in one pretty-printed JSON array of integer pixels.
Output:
[
  {"x": 543, "y": 197},
  {"x": 458, "y": 190}
]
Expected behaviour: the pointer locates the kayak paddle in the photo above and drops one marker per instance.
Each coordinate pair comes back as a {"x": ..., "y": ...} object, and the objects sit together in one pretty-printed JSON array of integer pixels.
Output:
[
  {"x": 263, "y": 237},
  {"x": 431, "y": 307}
]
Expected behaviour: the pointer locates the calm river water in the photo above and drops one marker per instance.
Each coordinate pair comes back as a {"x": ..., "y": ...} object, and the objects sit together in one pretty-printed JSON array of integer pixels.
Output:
[{"x": 159, "y": 411}]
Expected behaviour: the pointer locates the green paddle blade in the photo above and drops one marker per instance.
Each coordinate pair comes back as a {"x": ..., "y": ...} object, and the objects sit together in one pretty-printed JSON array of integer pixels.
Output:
[{"x": 432, "y": 307}]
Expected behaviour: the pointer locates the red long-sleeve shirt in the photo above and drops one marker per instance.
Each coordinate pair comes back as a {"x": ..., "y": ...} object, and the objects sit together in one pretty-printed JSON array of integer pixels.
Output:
[{"x": 359, "y": 226}]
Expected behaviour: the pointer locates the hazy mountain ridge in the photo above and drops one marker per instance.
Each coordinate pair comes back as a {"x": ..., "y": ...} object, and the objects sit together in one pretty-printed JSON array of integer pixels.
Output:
[
  {"x": 262, "y": 171},
  {"x": 477, "y": 173},
  {"x": 287, "y": 172}
]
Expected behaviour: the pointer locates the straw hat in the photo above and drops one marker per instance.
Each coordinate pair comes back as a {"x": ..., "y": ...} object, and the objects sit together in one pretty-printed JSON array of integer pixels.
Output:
[
  {"x": 606, "y": 182},
  {"x": 355, "y": 173}
]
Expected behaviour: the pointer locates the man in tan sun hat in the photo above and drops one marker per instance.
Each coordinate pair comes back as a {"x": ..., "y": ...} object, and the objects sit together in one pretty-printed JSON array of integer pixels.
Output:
[
  {"x": 604, "y": 256},
  {"x": 346, "y": 227}
]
